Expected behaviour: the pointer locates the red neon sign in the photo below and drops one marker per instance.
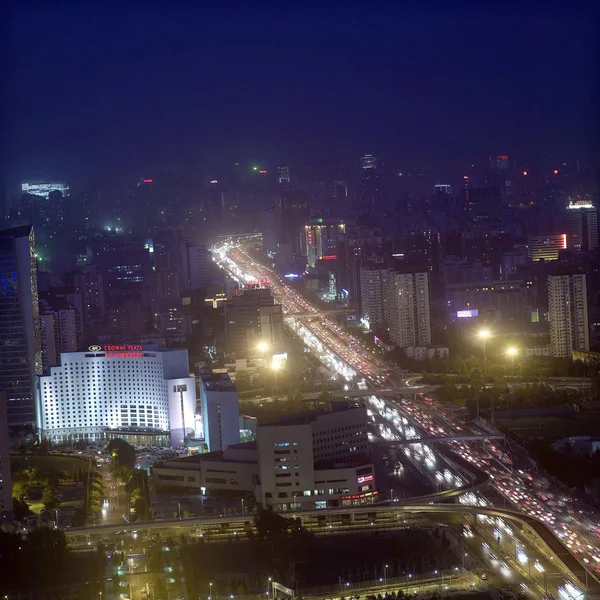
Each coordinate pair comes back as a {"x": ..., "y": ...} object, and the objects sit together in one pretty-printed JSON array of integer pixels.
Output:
[
  {"x": 364, "y": 479},
  {"x": 329, "y": 257},
  {"x": 147, "y": 180}
]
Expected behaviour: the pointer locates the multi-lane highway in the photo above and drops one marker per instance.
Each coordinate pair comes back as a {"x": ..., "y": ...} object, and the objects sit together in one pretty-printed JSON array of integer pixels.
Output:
[{"x": 349, "y": 357}]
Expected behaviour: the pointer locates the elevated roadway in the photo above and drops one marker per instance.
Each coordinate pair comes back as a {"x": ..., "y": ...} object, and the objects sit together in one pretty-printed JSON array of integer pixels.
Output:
[
  {"x": 453, "y": 438},
  {"x": 387, "y": 391},
  {"x": 573, "y": 569}
]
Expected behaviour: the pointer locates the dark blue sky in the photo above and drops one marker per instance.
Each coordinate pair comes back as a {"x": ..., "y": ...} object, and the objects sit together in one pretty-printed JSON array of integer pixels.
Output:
[{"x": 88, "y": 91}]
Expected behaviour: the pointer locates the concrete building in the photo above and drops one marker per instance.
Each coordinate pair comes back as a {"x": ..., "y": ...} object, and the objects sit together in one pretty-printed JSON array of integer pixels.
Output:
[
  {"x": 406, "y": 308},
  {"x": 507, "y": 299},
  {"x": 372, "y": 296},
  {"x": 58, "y": 333},
  {"x": 568, "y": 314},
  {"x": 315, "y": 460},
  {"x": 5, "y": 478},
  {"x": 220, "y": 412},
  {"x": 117, "y": 387},
  {"x": 234, "y": 469},
  {"x": 308, "y": 461},
  {"x": 250, "y": 318},
  {"x": 20, "y": 347}
]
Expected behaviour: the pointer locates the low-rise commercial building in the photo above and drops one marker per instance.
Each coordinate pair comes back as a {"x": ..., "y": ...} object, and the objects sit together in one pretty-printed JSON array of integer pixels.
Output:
[{"x": 308, "y": 461}]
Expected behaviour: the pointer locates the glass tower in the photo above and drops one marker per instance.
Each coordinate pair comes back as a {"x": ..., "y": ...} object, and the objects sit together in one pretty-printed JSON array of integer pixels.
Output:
[{"x": 20, "y": 346}]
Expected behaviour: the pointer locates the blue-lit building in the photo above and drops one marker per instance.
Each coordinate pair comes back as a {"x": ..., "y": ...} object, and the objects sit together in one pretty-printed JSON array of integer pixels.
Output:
[{"x": 20, "y": 345}]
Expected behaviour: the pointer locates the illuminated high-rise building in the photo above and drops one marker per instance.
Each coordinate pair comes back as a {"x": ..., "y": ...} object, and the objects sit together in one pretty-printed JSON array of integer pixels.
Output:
[
  {"x": 283, "y": 174},
  {"x": 320, "y": 238},
  {"x": 546, "y": 247},
  {"x": 583, "y": 225},
  {"x": 407, "y": 309},
  {"x": 20, "y": 346},
  {"x": 372, "y": 287},
  {"x": 44, "y": 189},
  {"x": 568, "y": 314}
]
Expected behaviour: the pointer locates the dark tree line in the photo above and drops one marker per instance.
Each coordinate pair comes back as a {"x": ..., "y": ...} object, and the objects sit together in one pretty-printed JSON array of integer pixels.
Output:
[{"x": 33, "y": 565}]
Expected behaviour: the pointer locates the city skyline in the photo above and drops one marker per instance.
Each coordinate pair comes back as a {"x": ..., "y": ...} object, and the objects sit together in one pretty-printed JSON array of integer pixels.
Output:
[{"x": 195, "y": 90}]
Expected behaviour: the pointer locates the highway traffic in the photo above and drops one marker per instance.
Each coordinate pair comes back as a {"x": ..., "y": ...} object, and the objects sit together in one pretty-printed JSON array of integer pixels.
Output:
[{"x": 397, "y": 419}]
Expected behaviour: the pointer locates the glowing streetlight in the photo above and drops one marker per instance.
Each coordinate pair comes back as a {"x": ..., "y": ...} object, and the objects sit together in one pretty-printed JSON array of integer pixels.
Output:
[
  {"x": 262, "y": 346},
  {"x": 276, "y": 365},
  {"x": 484, "y": 334}
]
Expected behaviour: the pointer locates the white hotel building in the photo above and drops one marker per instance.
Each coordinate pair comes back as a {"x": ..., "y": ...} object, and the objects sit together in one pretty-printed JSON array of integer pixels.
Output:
[{"x": 132, "y": 388}]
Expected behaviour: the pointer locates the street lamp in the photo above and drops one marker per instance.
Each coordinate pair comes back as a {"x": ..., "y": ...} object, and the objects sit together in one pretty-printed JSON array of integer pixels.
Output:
[
  {"x": 276, "y": 366},
  {"x": 385, "y": 574},
  {"x": 262, "y": 347},
  {"x": 209, "y": 590},
  {"x": 512, "y": 352},
  {"x": 484, "y": 334}
]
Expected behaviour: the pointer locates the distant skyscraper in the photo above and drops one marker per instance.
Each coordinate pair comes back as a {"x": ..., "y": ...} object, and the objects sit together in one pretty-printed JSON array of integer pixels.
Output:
[
  {"x": 89, "y": 284},
  {"x": 283, "y": 174},
  {"x": 320, "y": 238},
  {"x": 500, "y": 162},
  {"x": 568, "y": 314},
  {"x": 482, "y": 203},
  {"x": 5, "y": 478},
  {"x": 583, "y": 225},
  {"x": 406, "y": 308},
  {"x": 370, "y": 196},
  {"x": 442, "y": 188},
  {"x": 44, "y": 189},
  {"x": 197, "y": 266},
  {"x": 372, "y": 284},
  {"x": 292, "y": 210},
  {"x": 20, "y": 347}
]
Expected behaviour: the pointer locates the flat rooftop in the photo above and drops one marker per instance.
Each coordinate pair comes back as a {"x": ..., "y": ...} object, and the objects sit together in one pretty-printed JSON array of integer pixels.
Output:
[
  {"x": 217, "y": 382},
  {"x": 312, "y": 415},
  {"x": 219, "y": 456}
]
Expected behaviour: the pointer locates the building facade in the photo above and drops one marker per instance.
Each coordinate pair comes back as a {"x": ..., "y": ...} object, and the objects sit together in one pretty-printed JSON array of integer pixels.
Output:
[
  {"x": 583, "y": 226},
  {"x": 372, "y": 283},
  {"x": 220, "y": 411},
  {"x": 316, "y": 460},
  {"x": 5, "y": 475},
  {"x": 568, "y": 314},
  {"x": 305, "y": 462},
  {"x": 320, "y": 238},
  {"x": 117, "y": 387},
  {"x": 546, "y": 247},
  {"x": 20, "y": 350},
  {"x": 250, "y": 318},
  {"x": 407, "y": 308}
]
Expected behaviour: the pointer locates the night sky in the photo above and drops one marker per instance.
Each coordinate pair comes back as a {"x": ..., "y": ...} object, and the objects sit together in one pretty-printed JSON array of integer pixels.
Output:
[{"x": 90, "y": 92}]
